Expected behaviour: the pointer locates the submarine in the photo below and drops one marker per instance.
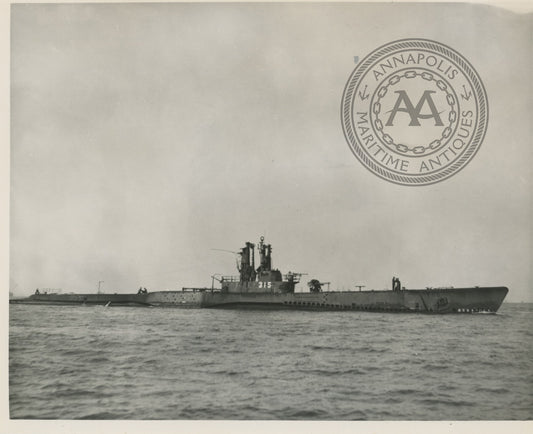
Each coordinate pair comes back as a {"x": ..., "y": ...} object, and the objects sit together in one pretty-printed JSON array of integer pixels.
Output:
[{"x": 267, "y": 288}]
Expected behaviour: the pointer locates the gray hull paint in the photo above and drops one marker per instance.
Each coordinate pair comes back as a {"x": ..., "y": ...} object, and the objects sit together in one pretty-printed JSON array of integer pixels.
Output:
[{"x": 450, "y": 300}]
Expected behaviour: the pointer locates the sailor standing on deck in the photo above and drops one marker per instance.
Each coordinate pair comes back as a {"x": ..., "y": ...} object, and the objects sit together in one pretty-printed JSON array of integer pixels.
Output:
[{"x": 396, "y": 285}]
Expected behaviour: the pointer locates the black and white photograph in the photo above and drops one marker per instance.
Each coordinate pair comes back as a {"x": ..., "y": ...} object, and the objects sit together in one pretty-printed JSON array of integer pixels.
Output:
[{"x": 268, "y": 213}]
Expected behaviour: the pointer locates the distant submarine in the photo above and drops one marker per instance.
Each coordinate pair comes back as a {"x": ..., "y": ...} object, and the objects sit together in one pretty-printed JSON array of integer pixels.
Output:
[{"x": 267, "y": 288}]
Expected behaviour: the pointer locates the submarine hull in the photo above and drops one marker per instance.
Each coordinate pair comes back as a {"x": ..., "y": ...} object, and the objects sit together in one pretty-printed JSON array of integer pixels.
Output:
[
  {"x": 267, "y": 288},
  {"x": 438, "y": 301},
  {"x": 87, "y": 299},
  {"x": 450, "y": 300}
]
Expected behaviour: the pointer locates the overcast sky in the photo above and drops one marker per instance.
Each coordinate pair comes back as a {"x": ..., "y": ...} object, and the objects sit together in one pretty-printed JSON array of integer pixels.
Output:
[{"x": 145, "y": 135}]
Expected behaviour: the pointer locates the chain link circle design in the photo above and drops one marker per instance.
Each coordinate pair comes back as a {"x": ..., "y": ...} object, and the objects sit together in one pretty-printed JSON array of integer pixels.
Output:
[{"x": 450, "y": 99}]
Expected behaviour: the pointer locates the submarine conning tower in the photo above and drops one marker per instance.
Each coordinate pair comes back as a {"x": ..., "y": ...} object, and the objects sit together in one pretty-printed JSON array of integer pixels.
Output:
[
  {"x": 264, "y": 278},
  {"x": 264, "y": 271}
]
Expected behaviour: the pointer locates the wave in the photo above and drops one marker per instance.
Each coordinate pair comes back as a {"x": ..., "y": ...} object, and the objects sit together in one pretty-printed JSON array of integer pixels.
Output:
[
  {"x": 103, "y": 415},
  {"x": 453, "y": 403},
  {"x": 492, "y": 389},
  {"x": 334, "y": 371}
]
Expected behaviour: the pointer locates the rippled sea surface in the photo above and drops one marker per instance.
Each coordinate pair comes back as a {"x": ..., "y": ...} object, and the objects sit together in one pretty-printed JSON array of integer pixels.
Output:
[{"x": 70, "y": 362}]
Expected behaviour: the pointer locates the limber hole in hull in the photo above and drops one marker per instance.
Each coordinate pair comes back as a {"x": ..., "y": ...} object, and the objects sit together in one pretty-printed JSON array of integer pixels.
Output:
[{"x": 353, "y": 306}]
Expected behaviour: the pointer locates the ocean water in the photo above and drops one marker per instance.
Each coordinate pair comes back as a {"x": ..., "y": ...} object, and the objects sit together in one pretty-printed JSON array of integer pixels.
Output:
[{"x": 70, "y": 362}]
